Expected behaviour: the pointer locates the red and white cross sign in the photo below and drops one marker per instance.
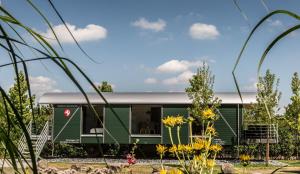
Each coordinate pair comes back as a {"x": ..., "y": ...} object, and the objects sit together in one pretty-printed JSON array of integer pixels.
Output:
[{"x": 67, "y": 113}]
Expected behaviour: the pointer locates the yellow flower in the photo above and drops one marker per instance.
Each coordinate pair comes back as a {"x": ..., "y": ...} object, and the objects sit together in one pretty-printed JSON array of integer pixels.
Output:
[
  {"x": 188, "y": 149},
  {"x": 211, "y": 130},
  {"x": 215, "y": 148},
  {"x": 245, "y": 158},
  {"x": 208, "y": 114},
  {"x": 175, "y": 171},
  {"x": 179, "y": 120},
  {"x": 161, "y": 149},
  {"x": 173, "y": 149},
  {"x": 201, "y": 144},
  {"x": 210, "y": 163},
  {"x": 198, "y": 146},
  {"x": 171, "y": 121},
  {"x": 199, "y": 158},
  {"x": 163, "y": 171},
  {"x": 180, "y": 148}
]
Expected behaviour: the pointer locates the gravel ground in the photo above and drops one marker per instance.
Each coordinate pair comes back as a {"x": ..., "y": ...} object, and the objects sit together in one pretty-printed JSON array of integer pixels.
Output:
[{"x": 149, "y": 161}]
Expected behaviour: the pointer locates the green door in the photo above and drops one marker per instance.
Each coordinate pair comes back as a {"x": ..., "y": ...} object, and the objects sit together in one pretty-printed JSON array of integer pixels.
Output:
[
  {"x": 227, "y": 125},
  {"x": 66, "y": 124},
  {"x": 117, "y": 124},
  {"x": 175, "y": 110}
]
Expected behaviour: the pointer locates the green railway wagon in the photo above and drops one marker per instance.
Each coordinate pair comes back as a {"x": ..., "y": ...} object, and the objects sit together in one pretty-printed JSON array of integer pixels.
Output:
[{"x": 136, "y": 115}]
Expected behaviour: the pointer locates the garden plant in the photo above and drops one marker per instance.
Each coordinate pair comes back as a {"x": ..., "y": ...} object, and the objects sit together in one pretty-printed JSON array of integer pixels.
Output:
[{"x": 199, "y": 154}]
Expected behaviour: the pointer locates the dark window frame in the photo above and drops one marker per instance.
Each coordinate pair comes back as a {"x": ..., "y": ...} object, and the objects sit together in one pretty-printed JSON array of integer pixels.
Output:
[
  {"x": 100, "y": 109},
  {"x": 156, "y": 131}
]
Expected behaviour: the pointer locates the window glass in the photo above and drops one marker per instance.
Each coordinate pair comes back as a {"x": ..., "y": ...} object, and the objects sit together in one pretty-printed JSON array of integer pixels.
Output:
[
  {"x": 145, "y": 119},
  {"x": 197, "y": 128},
  {"x": 91, "y": 123}
]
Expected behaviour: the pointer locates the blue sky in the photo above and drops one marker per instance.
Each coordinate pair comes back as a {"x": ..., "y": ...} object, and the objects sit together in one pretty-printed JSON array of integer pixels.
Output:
[{"x": 157, "y": 45}]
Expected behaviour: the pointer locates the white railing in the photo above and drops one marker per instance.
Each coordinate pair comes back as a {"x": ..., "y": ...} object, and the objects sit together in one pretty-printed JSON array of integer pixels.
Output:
[
  {"x": 41, "y": 140},
  {"x": 22, "y": 144}
]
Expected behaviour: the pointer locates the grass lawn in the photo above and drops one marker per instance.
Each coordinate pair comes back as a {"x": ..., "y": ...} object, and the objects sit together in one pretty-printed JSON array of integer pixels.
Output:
[{"x": 292, "y": 163}]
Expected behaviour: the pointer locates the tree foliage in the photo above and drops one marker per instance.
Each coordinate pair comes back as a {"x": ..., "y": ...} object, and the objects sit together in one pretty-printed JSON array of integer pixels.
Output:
[
  {"x": 292, "y": 113},
  {"x": 20, "y": 98},
  {"x": 105, "y": 87},
  {"x": 18, "y": 95},
  {"x": 267, "y": 100},
  {"x": 201, "y": 92},
  {"x": 268, "y": 96}
]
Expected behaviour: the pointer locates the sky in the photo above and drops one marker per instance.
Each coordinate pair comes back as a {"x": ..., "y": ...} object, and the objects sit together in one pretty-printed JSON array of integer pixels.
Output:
[{"x": 158, "y": 45}]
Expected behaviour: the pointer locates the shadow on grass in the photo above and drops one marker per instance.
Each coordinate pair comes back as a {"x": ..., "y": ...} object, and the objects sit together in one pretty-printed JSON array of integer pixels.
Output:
[{"x": 285, "y": 170}]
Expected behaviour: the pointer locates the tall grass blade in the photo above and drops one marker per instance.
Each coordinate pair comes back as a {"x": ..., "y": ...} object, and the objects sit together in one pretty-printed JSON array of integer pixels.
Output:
[
  {"x": 65, "y": 24},
  {"x": 275, "y": 41},
  {"x": 242, "y": 12},
  {"x": 47, "y": 22},
  {"x": 275, "y": 12}
]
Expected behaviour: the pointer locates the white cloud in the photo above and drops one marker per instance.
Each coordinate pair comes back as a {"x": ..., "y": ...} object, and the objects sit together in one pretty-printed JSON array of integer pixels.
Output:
[
  {"x": 151, "y": 81},
  {"x": 41, "y": 84},
  {"x": 251, "y": 86},
  {"x": 91, "y": 32},
  {"x": 180, "y": 79},
  {"x": 203, "y": 31},
  {"x": 156, "y": 26},
  {"x": 276, "y": 23},
  {"x": 174, "y": 66}
]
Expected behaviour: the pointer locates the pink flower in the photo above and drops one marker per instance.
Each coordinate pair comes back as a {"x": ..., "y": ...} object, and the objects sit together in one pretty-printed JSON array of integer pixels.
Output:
[{"x": 130, "y": 159}]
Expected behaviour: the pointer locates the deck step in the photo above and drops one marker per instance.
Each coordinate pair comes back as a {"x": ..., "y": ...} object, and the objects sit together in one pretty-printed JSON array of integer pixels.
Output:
[{"x": 38, "y": 141}]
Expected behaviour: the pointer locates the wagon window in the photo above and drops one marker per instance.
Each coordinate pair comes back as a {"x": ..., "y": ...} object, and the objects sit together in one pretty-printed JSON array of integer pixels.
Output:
[
  {"x": 145, "y": 119},
  {"x": 197, "y": 128},
  {"x": 91, "y": 123}
]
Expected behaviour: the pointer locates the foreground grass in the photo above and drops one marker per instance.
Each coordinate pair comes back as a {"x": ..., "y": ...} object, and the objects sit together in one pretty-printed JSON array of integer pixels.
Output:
[
  {"x": 136, "y": 169},
  {"x": 294, "y": 167}
]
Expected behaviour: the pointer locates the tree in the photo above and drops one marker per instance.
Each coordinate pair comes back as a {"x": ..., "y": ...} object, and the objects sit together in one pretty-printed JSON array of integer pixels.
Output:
[
  {"x": 267, "y": 100},
  {"x": 292, "y": 111},
  {"x": 20, "y": 99},
  {"x": 105, "y": 87},
  {"x": 202, "y": 94}
]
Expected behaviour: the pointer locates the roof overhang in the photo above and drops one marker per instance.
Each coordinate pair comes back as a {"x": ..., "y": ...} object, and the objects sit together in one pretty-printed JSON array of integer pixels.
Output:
[{"x": 140, "y": 98}]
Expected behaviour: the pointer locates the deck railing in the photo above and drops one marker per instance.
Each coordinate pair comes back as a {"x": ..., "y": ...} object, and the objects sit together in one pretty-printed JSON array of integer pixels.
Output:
[
  {"x": 261, "y": 132},
  {"x": 22, "y": 144},
  {"x": 42, "y": 139},
  {"x": 38, "y": 141}
]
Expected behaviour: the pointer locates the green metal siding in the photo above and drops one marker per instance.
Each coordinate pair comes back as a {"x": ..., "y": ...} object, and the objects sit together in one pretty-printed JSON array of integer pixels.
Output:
[
  {"x": 175, "y": 110},
  {"x": 69, "y": 132},
  {"x": 92, "y": 140},
  {"x": 230, "y": 113},
  {"x": 146, "y": 140},
  {"x": 118, "y": 126},
  {"x": 67, "y": 129}
]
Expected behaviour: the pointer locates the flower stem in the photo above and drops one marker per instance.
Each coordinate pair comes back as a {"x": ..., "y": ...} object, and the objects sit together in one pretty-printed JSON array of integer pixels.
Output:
[
  {"x": 161, "y": 163},
  {"x": 172, "y": 142},
  {"x": 179, "y": 142},
  {"x": 191, "y": 133}
]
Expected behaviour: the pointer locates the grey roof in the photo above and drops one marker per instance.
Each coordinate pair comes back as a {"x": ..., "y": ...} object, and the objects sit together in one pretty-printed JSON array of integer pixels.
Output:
[{"x": 140, "y": 98}]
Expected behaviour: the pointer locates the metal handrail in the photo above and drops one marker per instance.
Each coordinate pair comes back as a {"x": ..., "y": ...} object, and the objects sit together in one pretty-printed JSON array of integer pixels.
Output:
[
  {"x": 42, "y": 139},
  {"x": 22, "y": 141},
  {"x": 260, "y": 131}
]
